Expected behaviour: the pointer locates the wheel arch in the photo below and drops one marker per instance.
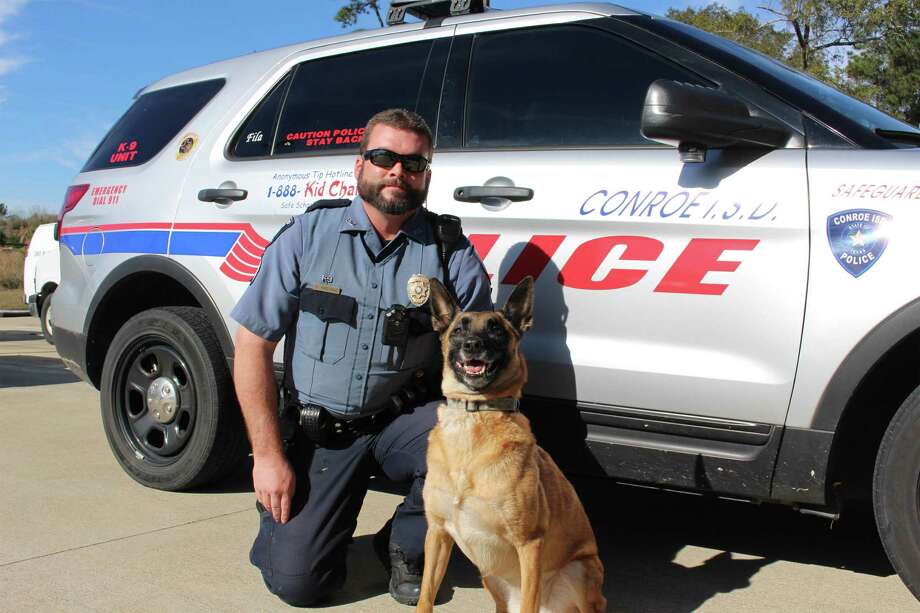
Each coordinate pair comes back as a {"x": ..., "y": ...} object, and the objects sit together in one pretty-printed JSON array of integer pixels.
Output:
[
  {"x": 46, "y": 290},
  {"x": 863, "y": 396},
  {"x": 138, "y": 284}
]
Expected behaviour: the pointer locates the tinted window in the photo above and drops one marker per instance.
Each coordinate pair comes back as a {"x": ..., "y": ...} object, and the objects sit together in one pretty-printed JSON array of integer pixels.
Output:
[
  {"x": 152, "y": 121},
  {"x": 332, "y": 98},
  {"x": 255, "y": 137},
  {"x": 560, "y": 86}
]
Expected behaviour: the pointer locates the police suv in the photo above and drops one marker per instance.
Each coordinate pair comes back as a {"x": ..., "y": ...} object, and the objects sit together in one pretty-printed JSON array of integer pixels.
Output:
[{"x": 723, "y": 247}]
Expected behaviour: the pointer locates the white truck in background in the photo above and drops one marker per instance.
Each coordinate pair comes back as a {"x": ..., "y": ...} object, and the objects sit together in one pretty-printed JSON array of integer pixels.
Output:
[{"x": 41, "y": 275}]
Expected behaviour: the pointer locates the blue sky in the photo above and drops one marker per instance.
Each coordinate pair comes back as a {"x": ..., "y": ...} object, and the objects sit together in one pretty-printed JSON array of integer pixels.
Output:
[{"x": 69, "y": 69}]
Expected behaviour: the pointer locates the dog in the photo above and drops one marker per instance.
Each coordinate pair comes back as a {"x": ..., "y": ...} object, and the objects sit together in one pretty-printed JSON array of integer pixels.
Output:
[{"x": 490, "y": 488}]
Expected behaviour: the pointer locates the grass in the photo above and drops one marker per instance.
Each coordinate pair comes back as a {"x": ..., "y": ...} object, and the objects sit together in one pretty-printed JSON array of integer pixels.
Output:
[
  {"x": 11, "y": 263},
  {"x": 13, "y": 259},
  {"x": 11, "y": 299}
]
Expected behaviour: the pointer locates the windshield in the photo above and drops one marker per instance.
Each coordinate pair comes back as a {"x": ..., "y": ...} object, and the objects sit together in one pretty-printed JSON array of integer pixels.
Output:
[{"x": 851, "y": 108}]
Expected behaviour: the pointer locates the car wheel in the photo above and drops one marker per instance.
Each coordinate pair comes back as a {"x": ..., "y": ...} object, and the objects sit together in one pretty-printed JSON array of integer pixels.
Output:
[
  {"x": 168, "y": 406},
  {"x": 47, "y": 319},
  {"x": 896, "y": 492}
]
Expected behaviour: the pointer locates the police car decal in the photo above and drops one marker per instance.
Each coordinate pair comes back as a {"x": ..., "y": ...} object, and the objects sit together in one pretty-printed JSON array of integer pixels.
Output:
[
  {"x": 239, "y": 244},
  {"x": 685, "y": 275},
  {"x": 325, "y": 138},
  {"x": 299, "y": 190},
  {"x": 681, "y": 204},
  {"x": 125, "y": 151},
  {"x": 107, "y": 194},
  {"x": 882, "y": 191},
  {"x": 857, "y": 238},
  {"x": 187, "y": 145}
]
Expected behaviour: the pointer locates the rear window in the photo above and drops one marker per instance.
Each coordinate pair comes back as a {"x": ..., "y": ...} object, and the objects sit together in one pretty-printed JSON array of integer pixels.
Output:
[{"x": 152, "y": 121}]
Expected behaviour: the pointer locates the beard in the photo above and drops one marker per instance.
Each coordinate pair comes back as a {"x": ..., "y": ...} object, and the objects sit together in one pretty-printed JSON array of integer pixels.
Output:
[{"x": 371, "y": 192}]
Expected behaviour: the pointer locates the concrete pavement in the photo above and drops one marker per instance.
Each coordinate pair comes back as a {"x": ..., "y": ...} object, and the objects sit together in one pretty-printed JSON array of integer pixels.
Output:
[{"x": 77, "y": 534}]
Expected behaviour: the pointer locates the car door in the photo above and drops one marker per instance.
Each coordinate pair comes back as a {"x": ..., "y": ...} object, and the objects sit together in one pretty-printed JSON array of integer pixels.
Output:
[
  {"x": 294, "y": 143},
  {"x": 670, "y": 288}
]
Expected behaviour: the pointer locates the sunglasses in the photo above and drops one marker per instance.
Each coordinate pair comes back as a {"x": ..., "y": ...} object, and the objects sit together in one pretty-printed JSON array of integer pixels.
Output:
[{"x": 384, "y": 158}]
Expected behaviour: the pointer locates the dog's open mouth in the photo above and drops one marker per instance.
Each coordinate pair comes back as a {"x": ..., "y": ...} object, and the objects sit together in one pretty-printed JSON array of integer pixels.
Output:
[{"x": 473, "y": 368}]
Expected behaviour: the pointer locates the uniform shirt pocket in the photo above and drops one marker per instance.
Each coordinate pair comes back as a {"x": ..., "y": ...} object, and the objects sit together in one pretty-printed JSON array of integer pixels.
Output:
[{"x": 326, "y": 320}]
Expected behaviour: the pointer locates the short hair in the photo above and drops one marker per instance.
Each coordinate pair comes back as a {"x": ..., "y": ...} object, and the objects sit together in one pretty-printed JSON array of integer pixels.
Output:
[{"x": 401, "y": 119}]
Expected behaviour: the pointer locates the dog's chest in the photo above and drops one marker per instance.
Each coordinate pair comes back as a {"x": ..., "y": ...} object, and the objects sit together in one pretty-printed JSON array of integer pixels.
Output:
[
  {"x": 476, "y": 527},
  {"x": 466, "y": 502}
]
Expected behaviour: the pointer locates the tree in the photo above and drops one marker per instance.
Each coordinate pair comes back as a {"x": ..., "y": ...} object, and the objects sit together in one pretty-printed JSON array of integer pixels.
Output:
[
  {"x": 825, "y": 30},
  {"x": 886, "y": 72},
  {"x": 348, "y": 14},
  {"x": 739, "y": 26},
  {"x": 868, "y": 48}
]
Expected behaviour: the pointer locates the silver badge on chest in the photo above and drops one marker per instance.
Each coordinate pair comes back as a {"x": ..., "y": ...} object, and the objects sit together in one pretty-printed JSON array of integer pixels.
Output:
[{"x": 419, "y": 289}]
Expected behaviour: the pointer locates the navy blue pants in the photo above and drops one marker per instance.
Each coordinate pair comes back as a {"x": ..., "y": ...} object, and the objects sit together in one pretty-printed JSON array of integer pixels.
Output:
[{"x": 303, "y": 561}]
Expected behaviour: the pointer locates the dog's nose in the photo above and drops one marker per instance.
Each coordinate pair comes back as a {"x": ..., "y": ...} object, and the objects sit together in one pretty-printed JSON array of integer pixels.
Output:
[{"x": 472, "y": 345}]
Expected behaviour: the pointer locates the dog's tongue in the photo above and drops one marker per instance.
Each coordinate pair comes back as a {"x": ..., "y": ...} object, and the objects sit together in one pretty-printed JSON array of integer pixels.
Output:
[{"x": 474, "y": 367}]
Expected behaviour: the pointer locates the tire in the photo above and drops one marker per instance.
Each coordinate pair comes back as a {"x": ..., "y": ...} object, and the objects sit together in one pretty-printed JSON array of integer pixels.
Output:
[
  {"x": 168, "y": 406},
  {"x": 46, "y": 317},
  {"x": 896, "y": 492}
]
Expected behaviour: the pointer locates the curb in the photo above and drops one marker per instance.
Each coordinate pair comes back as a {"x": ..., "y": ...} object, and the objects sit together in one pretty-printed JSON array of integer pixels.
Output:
[{"x": 14, "y": 313}]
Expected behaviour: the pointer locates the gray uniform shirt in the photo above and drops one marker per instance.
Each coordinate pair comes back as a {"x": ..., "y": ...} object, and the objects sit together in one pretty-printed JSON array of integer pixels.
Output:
[{"x": 339, "y": 360}]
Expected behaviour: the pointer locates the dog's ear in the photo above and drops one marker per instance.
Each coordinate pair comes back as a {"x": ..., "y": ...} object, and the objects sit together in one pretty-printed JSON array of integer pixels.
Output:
[
  {"x": 443, "y": 307},
  {"x": 519, "y": 308}
]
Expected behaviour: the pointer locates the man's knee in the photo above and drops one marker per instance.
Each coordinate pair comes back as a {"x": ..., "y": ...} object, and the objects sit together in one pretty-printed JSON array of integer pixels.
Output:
[{"x": 303, "y": 590}]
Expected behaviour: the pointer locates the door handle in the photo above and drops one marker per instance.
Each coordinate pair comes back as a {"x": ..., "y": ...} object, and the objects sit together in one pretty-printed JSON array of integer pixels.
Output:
[
  {"x": 477, "y": 193},
  {"x": 222, "y": 196}
]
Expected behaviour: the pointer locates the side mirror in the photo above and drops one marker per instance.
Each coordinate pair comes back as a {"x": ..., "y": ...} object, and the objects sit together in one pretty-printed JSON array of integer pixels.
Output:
[{"x": 695, "y": 118}]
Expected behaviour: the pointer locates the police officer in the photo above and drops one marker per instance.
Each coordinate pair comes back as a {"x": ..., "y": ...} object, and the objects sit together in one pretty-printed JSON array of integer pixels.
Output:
[{"x": 333, "y": 281}]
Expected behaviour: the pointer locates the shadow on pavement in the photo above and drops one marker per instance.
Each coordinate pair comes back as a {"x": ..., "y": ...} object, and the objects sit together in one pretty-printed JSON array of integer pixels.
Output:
[
  {"x": 32, "y": 370},
  {"x": 640, "y": 532},
  {"x": 19, "y": 335}
]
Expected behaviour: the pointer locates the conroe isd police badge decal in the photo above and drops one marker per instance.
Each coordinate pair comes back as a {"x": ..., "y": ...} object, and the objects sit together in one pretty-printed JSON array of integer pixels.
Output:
[{"x": 858, "y": 238}]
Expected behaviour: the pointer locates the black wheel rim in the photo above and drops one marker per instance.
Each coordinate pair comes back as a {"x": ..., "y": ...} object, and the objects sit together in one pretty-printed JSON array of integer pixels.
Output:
[{"x": 156, "y": 429}]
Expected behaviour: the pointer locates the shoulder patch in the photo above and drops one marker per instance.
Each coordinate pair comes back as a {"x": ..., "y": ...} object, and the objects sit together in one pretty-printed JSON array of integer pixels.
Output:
[{"x": 328, "y": 204}]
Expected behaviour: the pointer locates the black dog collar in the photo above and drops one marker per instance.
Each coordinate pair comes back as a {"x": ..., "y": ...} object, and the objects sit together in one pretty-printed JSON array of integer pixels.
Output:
[{"x": 505, "y": 405}]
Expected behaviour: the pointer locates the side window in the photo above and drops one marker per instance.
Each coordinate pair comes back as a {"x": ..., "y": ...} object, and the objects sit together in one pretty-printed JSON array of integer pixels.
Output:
[
  {"x": 255, "y": 137},
  {"x": 152, "y": 121},
  {"x": 560, "y": 86},
  {"x": 332, "y": 98}
]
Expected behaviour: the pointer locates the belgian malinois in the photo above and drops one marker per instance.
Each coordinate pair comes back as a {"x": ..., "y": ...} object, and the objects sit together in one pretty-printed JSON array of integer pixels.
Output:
[{"x": 490, "y": 488}]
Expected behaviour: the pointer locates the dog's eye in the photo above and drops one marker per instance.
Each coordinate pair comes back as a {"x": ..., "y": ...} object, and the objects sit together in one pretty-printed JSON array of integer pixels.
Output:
[
  {"x": 494, "y": 327},
  {"x": 456, "y": 331}
]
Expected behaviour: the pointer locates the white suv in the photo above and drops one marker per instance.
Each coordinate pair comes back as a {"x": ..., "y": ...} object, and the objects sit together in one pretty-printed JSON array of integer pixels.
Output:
[
  {"x": 41, "y": 275},
  {"x": 738, "y": 316}
]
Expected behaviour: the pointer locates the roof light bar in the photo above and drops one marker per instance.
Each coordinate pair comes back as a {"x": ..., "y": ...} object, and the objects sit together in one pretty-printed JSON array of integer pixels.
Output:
[{"x": 432, "y": 9}]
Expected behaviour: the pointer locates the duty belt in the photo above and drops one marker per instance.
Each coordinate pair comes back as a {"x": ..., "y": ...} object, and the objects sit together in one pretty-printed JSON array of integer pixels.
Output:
[{"x": 322, "y": 427}]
